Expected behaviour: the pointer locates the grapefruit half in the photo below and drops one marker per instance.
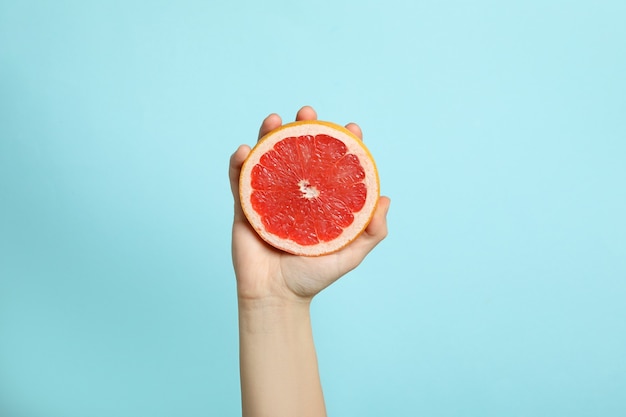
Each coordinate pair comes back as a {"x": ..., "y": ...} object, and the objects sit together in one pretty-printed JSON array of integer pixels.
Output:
[{"x": 309, "y": 187}]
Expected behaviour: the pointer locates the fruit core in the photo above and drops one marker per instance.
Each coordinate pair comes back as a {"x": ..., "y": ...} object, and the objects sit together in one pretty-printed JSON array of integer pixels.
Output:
[{"x": 308, "y": 190}]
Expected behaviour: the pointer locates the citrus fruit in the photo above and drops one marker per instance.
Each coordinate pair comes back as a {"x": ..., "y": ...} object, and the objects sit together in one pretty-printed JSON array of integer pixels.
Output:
[{"x": 309, "y": 187}]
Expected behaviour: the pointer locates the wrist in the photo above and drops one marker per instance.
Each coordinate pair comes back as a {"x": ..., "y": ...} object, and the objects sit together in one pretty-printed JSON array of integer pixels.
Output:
[
  {"x": 274, "y": 305},
  {"x": 268, "y": 292},
  {"x": 273, "y": 314}
]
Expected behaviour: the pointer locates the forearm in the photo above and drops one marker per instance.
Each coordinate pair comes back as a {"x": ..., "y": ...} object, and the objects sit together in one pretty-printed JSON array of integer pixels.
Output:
[{"x": 279, "y": 372}]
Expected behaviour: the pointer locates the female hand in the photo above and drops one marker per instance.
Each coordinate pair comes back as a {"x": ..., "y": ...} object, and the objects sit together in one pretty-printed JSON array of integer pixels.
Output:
[{"x": 264, "y": 272}]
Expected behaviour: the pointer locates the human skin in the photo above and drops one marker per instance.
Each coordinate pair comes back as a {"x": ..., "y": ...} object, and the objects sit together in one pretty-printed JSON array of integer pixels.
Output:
[{"x": 278, "y": 363}]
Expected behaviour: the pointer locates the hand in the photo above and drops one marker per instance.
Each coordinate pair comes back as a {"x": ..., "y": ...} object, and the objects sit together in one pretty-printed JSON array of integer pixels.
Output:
[{"x": 264, "y": 272}]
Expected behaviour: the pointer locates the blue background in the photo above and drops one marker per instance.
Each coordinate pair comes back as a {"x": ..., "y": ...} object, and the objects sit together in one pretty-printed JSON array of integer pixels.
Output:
[{"x": 499, "y": 129}]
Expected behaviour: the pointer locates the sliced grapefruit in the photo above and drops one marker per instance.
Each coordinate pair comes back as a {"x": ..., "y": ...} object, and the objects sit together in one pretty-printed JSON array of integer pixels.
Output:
[{"x": 309, "y": 187}]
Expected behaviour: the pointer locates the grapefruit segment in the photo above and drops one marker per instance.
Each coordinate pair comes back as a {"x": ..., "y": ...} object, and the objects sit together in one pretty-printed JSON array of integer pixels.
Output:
[{"x": 309, "y": 187}]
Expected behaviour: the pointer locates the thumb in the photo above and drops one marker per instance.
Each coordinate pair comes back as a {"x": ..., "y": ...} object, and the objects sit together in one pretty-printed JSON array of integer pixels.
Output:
[{"x": 376, "y": 231}]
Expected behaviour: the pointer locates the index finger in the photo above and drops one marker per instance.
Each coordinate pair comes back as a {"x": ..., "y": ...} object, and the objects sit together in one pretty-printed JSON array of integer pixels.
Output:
[{"x": 356, "y": 129}]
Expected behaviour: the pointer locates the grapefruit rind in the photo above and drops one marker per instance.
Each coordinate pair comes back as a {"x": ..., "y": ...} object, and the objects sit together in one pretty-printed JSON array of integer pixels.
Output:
[{"x": 302, "y": 128}]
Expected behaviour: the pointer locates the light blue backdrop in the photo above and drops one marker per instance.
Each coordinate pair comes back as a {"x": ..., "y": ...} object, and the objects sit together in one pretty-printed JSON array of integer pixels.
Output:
[{"x": 499, "y": 129}]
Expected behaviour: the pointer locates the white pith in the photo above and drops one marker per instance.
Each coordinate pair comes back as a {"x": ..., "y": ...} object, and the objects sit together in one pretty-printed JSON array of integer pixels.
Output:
[{"x": 354, "y": 145}]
